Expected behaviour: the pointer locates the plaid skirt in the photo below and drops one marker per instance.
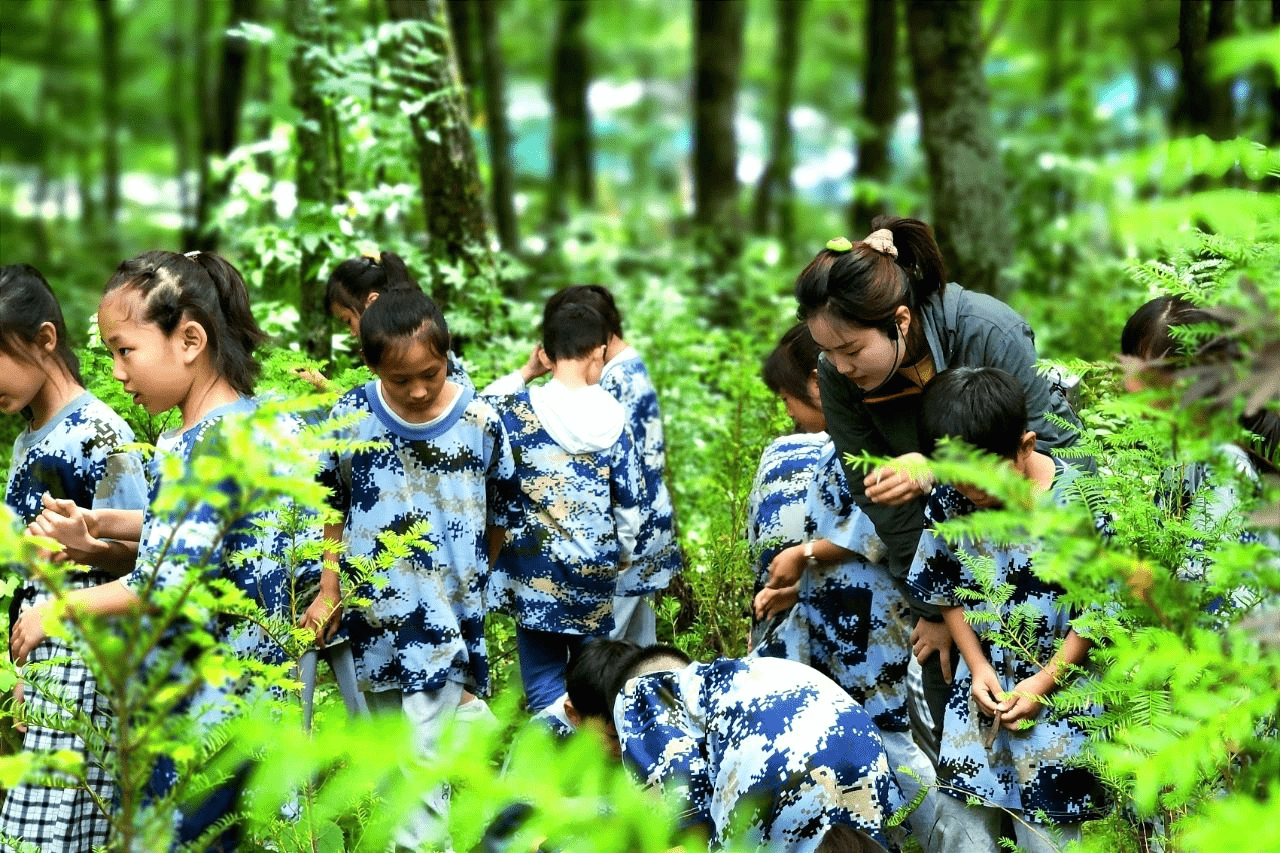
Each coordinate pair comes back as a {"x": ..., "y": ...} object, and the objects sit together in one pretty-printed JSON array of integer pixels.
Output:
[{"x": 56, "y": 812}]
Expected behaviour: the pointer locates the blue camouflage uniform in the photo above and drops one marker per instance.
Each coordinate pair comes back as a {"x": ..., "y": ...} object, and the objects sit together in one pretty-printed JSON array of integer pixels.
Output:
[
  {"x": 1028, "y": 770},
  {"x": 657, "y": 557},
  {"x": 575, "y": 525},
  {"x": 763, "y": 752},
  {"x": 425, "y": 626},
  {"x": 850, "y": 622},
  {"x": 776, "y": 504},
  {"x": 78, "y": 456}
]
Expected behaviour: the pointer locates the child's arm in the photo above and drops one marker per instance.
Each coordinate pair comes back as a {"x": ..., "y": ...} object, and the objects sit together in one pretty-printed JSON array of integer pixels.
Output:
[
  {"x": 987, "y": 691},
  {"x": 325, "y": 612},
  {"x": 109, "y": 599},
  {"x": 786, "y": 568},
  {"x": 1025, "y": 702},
  {"x": 105, "y": 538}
]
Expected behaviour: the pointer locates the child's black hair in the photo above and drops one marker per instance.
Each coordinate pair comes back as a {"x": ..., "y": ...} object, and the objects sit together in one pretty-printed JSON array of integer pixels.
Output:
[
  {"x": 206, "y": 288},
  {"x": 398, "y": 316},
  {"x": 791, "y": 364},
  {"x": 864, "y": 286},
  {"x": 595, "y": 295},
  {"x": 593, "y": 673},
  {"x": 573, "y": 331},
  {"x": 353, "y": 280},
  {"x": 985, "y": 407},
  {"x": 1147, "y": 335},
  {"x": 27, "y": 303}
]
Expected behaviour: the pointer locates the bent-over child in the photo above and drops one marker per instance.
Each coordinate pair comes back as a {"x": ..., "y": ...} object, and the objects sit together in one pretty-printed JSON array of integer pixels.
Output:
[
  {"x": 762, "y": 752},
  {"x": 579, "y": 504},
  {"x": 999, "y": 743}
]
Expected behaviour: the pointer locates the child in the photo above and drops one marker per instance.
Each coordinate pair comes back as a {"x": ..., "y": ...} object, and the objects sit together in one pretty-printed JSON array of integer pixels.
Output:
[
  {"x": 1025, "y": 770},
  {"x": 763, "y": 752},
  {"x": 71, "y": 450},
  {"x": 356, "y": 283},
  {"x": 443, "y": 458},
  {"x": 657, "y": 557},
  {"x": 776, "y": 504},
  {"x": 579, "y": 505},
  {"x": 182, "y": 336},
  {"x": 852, "y": 623},
  {"x": 1208, "y": 494}
]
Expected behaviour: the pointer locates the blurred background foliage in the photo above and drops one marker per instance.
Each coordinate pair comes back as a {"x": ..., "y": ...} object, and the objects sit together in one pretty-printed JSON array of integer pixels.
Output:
[{"x": 1075, "y": 159}]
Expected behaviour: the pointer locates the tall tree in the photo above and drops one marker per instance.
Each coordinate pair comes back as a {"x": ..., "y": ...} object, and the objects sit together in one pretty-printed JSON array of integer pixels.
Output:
[
  {"x": 572, "y": 155},
  {"x": 462, "y": 15},
  {"x": 501, "y": 168},
  {"x": 880, "y": 105},
  {"x": 452, "y": 196},
  {"x": 109, "y": 40},
  {"x": 1222, "y": 114},
  {"x": 774, "y": 194},
  {"x": 316, "y": 186},
  {"x": 220, "y": 118},
  {"x": 1192, "y": 111},
  {"x": 717, "y": 66},
  {"x": 965, "y": 176},
  {"x": 1274, "y": 94}
]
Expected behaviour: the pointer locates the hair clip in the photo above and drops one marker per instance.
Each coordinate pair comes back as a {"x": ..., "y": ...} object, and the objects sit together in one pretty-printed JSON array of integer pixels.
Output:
[
  {"x": 839, "y": 244},
  {"x": 371, "y": 255},
  {"x": 193, "y": 254}
]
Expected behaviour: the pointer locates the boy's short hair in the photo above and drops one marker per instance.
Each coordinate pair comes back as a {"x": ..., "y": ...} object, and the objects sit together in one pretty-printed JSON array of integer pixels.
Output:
[
  {"x": 594, "y": 668},
  {"x": 984, "y": 407},
  {"x": 573, "y": 332},
  {"x": 792, "y": 362},
  {"x": 595, "y": 295}
]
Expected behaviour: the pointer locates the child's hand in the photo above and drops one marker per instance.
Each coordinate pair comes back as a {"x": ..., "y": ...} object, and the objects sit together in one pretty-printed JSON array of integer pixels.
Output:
[
  {"x": 906, "y": 477},
  {"x": 18, "y": 701},
  {"x": 988, "y": 692},
  {"x": 323, "y": 616},
  {"x": 929, "y": 637},
  {"x": 769, "y": 601},
  {"x": 533, "y": 368},
  {"x": 28, "y": 632},
  {"x": 71, "y": 525},
  {"x": 1026, "y": 700},
  {"x": 785, "y": 568}
]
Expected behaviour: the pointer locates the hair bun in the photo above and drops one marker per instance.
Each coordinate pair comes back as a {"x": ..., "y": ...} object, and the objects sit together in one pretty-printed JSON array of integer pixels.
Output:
[{"x": 882, "y": 241}]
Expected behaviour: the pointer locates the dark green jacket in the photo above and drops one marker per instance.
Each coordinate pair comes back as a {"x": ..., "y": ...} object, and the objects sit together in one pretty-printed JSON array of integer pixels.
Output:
[{"x": 963, "y": 329}]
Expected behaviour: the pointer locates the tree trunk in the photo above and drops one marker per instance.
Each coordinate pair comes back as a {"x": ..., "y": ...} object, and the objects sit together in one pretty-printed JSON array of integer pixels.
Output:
[
  {"x": 263, "y": 161},
  {"x": 1192, "y": 113},
  {"x": 109, "y": 35},
  {"x": 776, "y": 178},
  {"x": 572, "y": 160},
  {"x": 315, "y": 180},
  {"x": 452, "y": 196},
  {"x": 178, "y": 107},
  {"x": 880, "y": 105},
  {"x": 462, "y": 14},
  {"x": 1274, "y": 95},
  {"x": 221, "y": 127},
  {"x": 501, "y": 169},
  {"x": 1222, "y": 25},
  {"x": 965, "y": 176},
  {"x": 718, "y": 31}
]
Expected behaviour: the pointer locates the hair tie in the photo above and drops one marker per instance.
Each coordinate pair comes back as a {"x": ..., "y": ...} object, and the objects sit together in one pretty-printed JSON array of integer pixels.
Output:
[
  {"x": 882, "y": 242},
  {"x": 839, "y": 244},
  {"x": 193, "y": 254},
  {"x": 371, "y": 257}
]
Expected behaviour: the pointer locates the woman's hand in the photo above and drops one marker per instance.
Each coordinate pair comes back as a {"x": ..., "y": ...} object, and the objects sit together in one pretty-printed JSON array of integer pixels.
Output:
[
  {"x": 769, "y": 601},
  {"x": 28, "y": 632},
  {"x": 929, "y": 637},
  {"x": 898, "y": 482}
]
